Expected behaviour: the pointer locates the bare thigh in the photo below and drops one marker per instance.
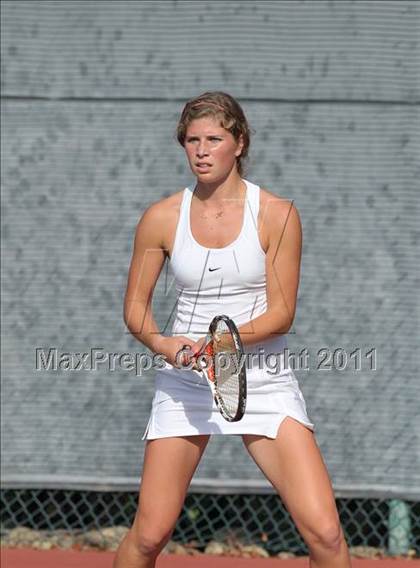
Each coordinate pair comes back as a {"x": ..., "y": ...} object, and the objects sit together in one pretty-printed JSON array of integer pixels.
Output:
[
  {"x": 169, "y": 464},
  {"x": 293, "y": 463}
]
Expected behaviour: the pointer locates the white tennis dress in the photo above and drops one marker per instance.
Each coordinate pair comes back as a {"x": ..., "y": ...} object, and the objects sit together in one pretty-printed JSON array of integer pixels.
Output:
[{"x": 209, "y": 282}]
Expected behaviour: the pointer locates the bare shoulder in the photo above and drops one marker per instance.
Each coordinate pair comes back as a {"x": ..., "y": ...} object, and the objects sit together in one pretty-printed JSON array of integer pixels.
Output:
[
  {"x": 164, "y": 209},
  {"x": 276, "y": 209},
  {"x": 158, "y": 222}
]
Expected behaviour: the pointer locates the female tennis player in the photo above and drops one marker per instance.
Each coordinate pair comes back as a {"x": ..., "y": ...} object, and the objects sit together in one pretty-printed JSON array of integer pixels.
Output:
[{"x": 234, "y": 249}]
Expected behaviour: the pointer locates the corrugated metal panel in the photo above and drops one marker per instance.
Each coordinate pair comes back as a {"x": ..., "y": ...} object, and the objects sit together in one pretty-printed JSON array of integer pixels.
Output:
[
  {"x": 297, "y": 50},
  {"x": 76, "y": 178}
]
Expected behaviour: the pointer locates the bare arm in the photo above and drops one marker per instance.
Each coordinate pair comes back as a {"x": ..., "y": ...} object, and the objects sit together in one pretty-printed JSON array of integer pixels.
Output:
[
  {"x": 146, "y": 264},
  {"x": 148, "y": 258},
  {"x": 282, "y": 226}
]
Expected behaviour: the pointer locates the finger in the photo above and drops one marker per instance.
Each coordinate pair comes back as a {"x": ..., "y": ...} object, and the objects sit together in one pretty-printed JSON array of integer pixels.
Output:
[
  {"x": 188, "y": 356},
  {"x": 183, "y": 356}
]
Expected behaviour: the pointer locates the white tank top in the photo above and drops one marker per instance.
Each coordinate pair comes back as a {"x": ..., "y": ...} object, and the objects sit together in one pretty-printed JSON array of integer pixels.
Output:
[
  {"x": 229, "y": 280},
  {"x": 213, "y": 281}
]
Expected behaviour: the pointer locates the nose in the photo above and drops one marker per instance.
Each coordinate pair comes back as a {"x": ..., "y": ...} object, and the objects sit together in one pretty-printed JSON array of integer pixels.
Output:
[{"x": 201, "y": 149}]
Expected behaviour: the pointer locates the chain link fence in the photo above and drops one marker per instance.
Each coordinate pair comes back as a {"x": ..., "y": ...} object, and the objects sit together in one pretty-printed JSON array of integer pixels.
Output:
[{"x": 391, "y": 525}]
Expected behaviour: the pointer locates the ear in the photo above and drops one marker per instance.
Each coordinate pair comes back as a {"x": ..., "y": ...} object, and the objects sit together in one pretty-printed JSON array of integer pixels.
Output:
[{"x": 239, "y": 149}]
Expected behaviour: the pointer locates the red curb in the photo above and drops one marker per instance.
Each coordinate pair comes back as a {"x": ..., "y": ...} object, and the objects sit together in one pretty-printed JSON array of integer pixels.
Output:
[{"x": 57, "y": 558}]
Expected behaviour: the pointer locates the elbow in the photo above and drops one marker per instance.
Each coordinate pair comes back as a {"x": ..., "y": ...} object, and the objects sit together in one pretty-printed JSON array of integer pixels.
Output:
[
  {"x": 131, "y": 317},
  {"x": 134, "y": 326},
  {"x": 288, "y": 323},
  {"x": 283, "y": 322},
  {"x": 126, "y": 315},
  {"x": 285, "y": 327},
  {"x": 128, "y": 322}
]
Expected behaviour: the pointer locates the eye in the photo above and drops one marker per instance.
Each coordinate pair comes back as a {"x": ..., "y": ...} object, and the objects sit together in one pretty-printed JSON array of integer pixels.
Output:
[{"x": 212, "y": 138}]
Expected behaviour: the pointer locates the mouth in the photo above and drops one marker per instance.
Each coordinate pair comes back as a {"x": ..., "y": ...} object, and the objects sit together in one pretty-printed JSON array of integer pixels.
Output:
[{"x": 203, "y": 166}]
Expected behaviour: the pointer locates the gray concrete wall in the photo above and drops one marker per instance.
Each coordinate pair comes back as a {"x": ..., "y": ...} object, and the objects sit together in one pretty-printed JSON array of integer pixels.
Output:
[{"x": 91, "y": 95}]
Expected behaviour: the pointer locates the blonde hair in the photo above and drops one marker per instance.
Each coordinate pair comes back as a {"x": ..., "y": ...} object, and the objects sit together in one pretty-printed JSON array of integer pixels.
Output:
[{"x": 224, "y": 107}]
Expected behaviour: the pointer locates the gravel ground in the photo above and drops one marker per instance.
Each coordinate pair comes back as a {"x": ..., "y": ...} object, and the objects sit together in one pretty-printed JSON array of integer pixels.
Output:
[{"x": 109, "y": 539}]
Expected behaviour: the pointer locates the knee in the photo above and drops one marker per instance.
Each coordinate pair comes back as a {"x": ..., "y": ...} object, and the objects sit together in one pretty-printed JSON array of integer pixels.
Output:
[
  {"x": 149, "y": 541},
  {"x": 328, "y": 536}
]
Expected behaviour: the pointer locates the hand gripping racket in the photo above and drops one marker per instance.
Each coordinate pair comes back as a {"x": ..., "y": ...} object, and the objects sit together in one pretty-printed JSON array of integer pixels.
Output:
[{"x": 221, "y": 359}]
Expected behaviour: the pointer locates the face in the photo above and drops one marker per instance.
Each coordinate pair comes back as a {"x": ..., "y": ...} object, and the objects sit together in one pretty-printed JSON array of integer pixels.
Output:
[{"x": 211, "y": 150}]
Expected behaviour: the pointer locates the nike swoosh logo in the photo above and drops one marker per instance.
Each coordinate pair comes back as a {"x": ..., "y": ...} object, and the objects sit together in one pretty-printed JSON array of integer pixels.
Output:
[{"x": 213, "y": 269}]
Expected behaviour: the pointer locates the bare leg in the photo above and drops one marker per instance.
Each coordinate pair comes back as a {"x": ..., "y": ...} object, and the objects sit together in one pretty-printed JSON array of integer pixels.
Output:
[
  {"x": 293, "y": 464},
  {"x": 169, "y": 464}
]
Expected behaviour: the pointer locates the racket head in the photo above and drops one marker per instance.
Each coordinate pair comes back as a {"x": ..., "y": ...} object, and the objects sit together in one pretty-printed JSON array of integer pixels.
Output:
[{"x": 226, "y": 372}]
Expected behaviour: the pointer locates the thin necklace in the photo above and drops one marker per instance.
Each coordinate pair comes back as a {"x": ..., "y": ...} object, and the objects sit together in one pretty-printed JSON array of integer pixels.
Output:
[{"x": 216, "y": 216}]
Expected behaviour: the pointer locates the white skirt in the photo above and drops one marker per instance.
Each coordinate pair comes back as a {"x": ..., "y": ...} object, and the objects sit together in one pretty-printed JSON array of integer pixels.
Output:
[{"x": 183, "y": 405}]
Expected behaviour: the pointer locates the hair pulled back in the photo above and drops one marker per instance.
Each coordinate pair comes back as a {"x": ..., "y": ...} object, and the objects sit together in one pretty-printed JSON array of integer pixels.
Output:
[{"x": 223, "y": 107}]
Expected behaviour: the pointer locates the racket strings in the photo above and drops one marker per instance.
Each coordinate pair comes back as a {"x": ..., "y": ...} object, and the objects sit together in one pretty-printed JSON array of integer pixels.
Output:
[{"x": 226, "y": 368}]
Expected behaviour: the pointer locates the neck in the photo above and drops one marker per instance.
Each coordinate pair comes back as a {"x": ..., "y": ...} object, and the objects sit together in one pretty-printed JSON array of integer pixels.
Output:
[{"x": 216, "y": 193}]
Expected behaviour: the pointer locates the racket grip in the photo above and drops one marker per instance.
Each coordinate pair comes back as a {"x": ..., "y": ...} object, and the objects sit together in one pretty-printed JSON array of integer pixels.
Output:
[{"x": 188, "y": 347}]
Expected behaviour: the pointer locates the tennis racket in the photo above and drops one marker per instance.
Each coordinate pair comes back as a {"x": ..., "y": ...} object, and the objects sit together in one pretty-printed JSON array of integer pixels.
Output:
[{"x": 221, "y": 360}]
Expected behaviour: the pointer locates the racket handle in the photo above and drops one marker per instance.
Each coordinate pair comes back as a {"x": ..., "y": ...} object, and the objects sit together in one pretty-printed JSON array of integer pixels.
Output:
[{"x": 188, "y": 347}]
